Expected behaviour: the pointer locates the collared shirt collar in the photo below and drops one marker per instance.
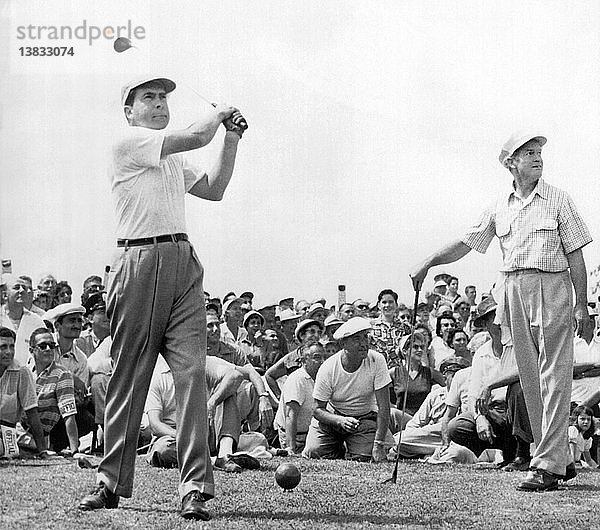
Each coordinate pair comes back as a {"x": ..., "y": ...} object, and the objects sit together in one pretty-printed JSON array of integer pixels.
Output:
[
  {"x": 541, "y": 188},
  {"x": 14, "y": 366},
  {"x": 46, "y": 370}
]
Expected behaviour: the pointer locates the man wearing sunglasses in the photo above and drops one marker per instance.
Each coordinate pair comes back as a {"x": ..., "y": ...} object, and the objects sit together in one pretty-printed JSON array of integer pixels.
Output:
[{"x": 54, "y": 387}]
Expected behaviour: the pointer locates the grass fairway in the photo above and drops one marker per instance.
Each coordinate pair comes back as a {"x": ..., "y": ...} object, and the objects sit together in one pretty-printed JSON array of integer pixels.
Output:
[{"x": 330, "y": 495}]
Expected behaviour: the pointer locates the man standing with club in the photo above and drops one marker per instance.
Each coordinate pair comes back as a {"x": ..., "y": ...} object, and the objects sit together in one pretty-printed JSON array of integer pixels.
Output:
[
  {"x": 541, "y": 236},
  {"x": 155, "y": 297}
]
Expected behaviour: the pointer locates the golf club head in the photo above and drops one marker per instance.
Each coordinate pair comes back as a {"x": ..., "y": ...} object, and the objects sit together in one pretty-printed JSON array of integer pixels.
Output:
[{"x": 122, "y": 44}]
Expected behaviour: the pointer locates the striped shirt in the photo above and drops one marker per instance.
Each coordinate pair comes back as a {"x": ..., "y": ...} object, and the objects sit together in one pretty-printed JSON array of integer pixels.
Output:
[
  {"x": 534, "y": 233},
  {"x": 56, "y": 396},
  {"x": 17, "y": 393}
]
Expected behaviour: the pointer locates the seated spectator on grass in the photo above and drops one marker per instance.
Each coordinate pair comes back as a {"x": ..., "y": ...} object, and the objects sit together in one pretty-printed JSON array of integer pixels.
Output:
[
  {"x": 581, "y": 430},
  {"x": 63, "y": 293},
  {"x": 458, "y": 340},
  {"x": 417, "y": 385},
  {"x": 497, "y": 416},
  {"x": 463, "y": 308},
  {"x": 41, "y": 303},
  {"x": 471, "y": 295},
  {"x": 232, "y": 331},
  {"x": 13, "y": 315},
  {"x": 253, "y": 346},
  {"x": 307, "y": 331},
  {"x": 271, "y": 322},
  {"x": 361, "y": 308},
  {"x": 346, "y": 312},
  {"x": 297, "y": 404},
  {"x": 288, "y": 321},
  {"x": 68, "y": 321},
  {"x": 217, "y": 348},
  {"x": 17, "y": 391},
  {"x": 55, "y": 393},
  {"x": 222, "y": 382},
  {"x": 301, "y": 308},
  {"x": 444, "y": 323},
  {"x": 423, "y": 433},
  {"x": 248, "y": 297},
  {"x": 352, "y": 415},
  {"x": 332, "y": 323},
  {"x": 331, "y": 346},
  {"x": 91, "y": 285},
  {"x": 95, "y": 312},
  {"x": 452, "y": 291},
  {"x": 28, "y": 298},
  {"x": 317, "y": 312},
  {"x": 388, "y": 330}
]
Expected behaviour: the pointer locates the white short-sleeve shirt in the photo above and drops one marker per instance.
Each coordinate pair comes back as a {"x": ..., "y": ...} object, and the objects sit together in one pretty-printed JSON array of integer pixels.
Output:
[
  {"x": 148, "y": 191},
  {"x": 352, "y": 393},
  {"x": 298, "y": 387}
]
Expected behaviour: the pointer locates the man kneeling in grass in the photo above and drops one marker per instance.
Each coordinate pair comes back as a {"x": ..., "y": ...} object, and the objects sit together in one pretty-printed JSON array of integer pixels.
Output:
[{"x": 352, "y": 396}]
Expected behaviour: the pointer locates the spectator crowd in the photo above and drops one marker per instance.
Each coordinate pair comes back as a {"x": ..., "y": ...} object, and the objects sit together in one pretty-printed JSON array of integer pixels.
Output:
[{"x": 367, "y": 381}]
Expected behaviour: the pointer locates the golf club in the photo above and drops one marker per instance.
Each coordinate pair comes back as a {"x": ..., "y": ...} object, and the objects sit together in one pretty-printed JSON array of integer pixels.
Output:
[
  {"x": 122, "y": 44},
  {"x": 413, "y": 321}
]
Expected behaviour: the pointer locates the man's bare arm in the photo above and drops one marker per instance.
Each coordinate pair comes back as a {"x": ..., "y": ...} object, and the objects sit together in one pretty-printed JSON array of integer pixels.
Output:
[
  {"x": 213, "y": 184},
  {"x": 198, "y": 134},
  {"x": 448, "y": 254},
  {"x": 579, "y": 278}
]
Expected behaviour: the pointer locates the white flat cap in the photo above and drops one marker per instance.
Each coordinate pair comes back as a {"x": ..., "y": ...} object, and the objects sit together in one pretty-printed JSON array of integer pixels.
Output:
[
  {"x": 518, "y": 139},
  {"x": 351, "y": 327},
  {"x": 62, "y": 310}
]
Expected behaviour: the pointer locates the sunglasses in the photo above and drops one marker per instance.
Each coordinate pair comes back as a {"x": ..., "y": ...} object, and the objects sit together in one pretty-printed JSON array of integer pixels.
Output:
[
  {"x": 46, "y": 346},
  {"x": 362, "y": 306}
]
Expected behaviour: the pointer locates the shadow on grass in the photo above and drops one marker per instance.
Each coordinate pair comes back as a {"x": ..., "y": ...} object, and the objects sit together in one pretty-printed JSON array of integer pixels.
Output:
[{"x": 330, "y": 518}]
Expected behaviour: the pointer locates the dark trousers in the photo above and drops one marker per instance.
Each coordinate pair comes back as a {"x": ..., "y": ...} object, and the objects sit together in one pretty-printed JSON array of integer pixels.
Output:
[{"x": 510, "y": 424}]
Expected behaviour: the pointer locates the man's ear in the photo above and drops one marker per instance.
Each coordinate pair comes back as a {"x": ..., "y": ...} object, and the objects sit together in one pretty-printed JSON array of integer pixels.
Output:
[
  {"x": 509, "y": 163},
  {"x": 128, "y": 109}
]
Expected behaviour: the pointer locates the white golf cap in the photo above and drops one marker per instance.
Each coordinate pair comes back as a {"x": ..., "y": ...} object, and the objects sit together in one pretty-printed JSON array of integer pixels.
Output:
[
  {"x": 62, "y": 310},
  {"x": 516, "y": 140},
  {"x": 168, "y": 85},
  {"x": 352, "y": 326}
]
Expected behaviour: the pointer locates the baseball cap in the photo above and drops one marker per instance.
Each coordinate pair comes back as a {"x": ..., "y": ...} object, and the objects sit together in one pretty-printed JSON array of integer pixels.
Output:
[
  {"x": 168, "y": 85},
  {"x": 351, "y": 327},
  {"x": 440, "y": 283},
  {"x": 516, "y": 140}
]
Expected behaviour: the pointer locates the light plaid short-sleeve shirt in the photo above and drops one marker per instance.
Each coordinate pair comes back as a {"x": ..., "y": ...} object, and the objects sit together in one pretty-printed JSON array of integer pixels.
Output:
[{"x": 534, "y": 233}]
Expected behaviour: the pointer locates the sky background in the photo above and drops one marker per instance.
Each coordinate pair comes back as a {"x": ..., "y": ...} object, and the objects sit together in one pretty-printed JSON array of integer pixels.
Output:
[{"x": 375, "y": 129}]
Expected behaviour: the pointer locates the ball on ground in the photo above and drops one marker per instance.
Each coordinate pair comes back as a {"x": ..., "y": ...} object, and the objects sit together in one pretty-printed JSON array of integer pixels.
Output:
[{"x": 287, "y": 476}]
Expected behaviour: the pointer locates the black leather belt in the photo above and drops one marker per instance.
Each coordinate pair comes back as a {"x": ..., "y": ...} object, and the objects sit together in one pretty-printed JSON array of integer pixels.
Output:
[{"x": 174, "y": 238}]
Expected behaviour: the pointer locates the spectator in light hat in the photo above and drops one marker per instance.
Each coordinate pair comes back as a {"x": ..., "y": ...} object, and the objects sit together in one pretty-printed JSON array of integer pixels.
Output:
[
  {"x": 307, "y": 332},
  {"x": 351, "y": 392},
  {"x": 289, "y": 320},
  {"x": 317, "y": 312}
]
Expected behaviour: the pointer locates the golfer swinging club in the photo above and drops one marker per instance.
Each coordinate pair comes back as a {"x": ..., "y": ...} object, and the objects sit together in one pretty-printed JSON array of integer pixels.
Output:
[
  {"x": 541, "y": 235},
  {"x": 155, "y": 296}
]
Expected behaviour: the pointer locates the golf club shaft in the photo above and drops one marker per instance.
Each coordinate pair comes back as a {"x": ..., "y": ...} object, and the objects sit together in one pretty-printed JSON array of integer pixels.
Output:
[
  {"x": 413, "y": 322},
  {"x": 243, "y": 124}
]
